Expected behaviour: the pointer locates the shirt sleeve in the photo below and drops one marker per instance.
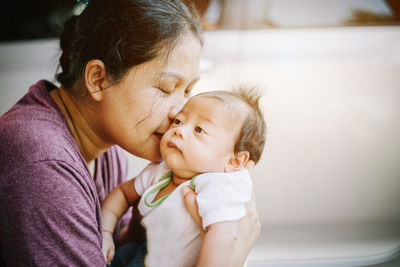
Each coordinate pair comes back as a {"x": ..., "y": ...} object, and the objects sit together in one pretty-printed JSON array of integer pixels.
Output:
[
  {"x": 222, "y": 196},
  {"x": 49, "y": 216},
  {"x": 147, "y": 177}
]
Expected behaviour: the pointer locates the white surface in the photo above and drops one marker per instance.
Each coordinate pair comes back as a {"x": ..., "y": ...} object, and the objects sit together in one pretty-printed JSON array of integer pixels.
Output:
[
  {"x": 328, "y": 185},
  {"x": 23, "y": 64}
]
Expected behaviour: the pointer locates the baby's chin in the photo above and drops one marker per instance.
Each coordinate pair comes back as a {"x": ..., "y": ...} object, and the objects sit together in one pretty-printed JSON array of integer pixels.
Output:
[{"x": 184, "y": 174}]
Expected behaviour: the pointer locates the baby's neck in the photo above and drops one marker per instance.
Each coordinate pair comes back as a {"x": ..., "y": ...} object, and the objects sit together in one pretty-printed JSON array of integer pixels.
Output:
[{"x": 178, "y": 180}]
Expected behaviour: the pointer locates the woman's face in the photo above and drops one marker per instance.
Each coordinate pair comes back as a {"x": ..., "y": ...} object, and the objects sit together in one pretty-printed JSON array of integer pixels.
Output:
[{"x": 137, "y": 111}]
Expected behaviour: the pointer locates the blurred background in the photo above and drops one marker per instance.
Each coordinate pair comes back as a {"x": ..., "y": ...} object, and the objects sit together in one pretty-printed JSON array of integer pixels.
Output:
[{"x": 328, "y": 184}]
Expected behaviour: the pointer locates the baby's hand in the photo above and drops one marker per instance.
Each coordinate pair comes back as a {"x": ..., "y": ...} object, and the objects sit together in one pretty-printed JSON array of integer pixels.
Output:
[{"x": 108, "y": 247}]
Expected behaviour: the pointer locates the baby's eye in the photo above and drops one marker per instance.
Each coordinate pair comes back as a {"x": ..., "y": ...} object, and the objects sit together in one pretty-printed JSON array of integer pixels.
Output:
[
  {"x": 177, "y": 122},
  {"x": 198, "y": 129}
]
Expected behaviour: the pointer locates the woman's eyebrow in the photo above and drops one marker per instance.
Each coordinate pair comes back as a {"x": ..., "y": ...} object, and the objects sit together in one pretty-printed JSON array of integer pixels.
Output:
[
  {"x": 173, "y": 75},
  {"x": 176, "y": 76}
]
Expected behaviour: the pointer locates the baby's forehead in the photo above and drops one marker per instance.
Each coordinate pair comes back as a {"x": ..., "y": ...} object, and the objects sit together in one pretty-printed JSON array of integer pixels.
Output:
[
  {"x": 231, "y": 108},
  {"x": 221, "y": 98},
  {"x": 207, "y": 106}
]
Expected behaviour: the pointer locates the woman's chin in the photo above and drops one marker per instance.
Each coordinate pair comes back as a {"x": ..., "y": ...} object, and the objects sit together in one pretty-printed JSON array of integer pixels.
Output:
[
  {"x": 155, "y": 157},
  {"x": 151, "y": 153}
]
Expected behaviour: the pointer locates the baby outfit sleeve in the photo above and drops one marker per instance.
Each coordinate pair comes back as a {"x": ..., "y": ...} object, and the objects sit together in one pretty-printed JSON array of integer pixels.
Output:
[
  {"x": 147, "y": 177},
  {"x": 222, "y": 196}
]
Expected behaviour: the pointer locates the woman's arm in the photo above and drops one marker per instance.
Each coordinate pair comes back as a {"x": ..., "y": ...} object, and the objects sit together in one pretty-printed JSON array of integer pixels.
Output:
[
  {"x": 248, "y": 228},
  {"x": 218, "y": 235}
]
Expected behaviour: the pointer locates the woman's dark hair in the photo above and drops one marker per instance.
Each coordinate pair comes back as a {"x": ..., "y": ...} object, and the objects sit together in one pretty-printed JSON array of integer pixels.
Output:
[{"x": 122, "y": 34}]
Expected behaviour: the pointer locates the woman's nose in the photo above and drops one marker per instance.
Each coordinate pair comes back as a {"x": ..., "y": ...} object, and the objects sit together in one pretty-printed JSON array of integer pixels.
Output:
[
  {"x": 179, "y": 102},
  {"x": 174, "y": 111}
]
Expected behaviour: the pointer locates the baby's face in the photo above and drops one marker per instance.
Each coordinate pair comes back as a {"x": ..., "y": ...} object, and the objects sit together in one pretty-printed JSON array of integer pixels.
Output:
[{"x": 200, "y": 139}]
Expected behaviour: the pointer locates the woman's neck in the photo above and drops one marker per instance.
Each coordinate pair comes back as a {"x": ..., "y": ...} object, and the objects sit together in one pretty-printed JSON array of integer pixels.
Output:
[{"x": 90, "y": 144}]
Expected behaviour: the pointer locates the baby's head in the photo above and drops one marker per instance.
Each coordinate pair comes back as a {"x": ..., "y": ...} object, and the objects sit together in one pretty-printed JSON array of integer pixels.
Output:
[{"x": 218, "y": 131}]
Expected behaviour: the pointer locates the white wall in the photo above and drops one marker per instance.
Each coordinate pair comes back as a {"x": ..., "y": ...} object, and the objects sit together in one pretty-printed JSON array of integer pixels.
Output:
[{"x": 328, "y": 185}]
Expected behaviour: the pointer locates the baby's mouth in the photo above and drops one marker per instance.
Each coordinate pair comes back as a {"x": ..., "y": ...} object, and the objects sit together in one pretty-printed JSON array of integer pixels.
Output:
[{"x": 172, "y": 144}]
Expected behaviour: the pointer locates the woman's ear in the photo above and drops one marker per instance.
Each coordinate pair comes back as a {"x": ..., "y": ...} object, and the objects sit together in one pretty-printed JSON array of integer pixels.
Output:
[
  {"x": 237, "y": 161},
  {"x": 95, "y": 79}
]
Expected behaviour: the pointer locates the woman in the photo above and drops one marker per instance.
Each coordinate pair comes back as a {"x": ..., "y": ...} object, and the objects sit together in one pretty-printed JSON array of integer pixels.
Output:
[{"x": 128, "y": 66}]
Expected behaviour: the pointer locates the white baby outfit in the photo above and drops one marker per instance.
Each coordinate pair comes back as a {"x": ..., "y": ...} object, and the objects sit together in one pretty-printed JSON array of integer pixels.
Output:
[{"x": 173, "y": 238}]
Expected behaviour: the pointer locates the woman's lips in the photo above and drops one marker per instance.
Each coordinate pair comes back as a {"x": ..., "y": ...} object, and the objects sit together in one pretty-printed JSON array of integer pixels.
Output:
[{"x": 158, "y": 135}]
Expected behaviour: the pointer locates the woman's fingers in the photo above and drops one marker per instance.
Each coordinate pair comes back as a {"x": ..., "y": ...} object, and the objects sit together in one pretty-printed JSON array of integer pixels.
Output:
[
  {"x": 189, "y": 198},
  {"x": 250, "y": 167}
]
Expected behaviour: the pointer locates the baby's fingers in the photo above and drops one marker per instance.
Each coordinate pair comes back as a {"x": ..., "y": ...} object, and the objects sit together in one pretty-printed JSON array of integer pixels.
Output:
[
  {"x": 110, "y": 255},
  {"x": 104, "y": 250}
]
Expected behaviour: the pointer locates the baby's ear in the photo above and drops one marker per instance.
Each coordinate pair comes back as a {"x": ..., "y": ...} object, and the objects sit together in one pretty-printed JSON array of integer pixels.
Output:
[{"x": 237, "y": 161}]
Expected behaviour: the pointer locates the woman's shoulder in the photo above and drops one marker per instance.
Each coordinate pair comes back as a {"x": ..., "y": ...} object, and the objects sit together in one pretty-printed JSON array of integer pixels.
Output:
[
  {"x": 25, "y": 142},
  {"x": 32, "y": 132}
]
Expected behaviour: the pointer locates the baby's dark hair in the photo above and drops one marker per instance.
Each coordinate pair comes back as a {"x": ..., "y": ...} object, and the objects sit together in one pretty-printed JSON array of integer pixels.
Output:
[
  {"x": 123, "y": 34},
  {"x": 252, "y": 135}
]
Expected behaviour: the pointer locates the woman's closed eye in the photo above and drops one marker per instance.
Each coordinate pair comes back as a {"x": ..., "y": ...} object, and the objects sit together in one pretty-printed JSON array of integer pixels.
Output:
[
  {"x": 162, "y": 90},
  {"x": 188, "y": 93}
]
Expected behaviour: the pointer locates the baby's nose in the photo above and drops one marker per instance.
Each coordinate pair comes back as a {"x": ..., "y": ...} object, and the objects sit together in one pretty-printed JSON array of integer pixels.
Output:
[{"x": 178, "y": 132}]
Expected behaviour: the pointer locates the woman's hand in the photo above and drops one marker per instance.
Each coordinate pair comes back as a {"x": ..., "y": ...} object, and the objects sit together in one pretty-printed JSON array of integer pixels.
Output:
[
  {"x": 248, "y": 228},
  {"x": 189, "y": 198},
  {"x": 108, "y": 247},
  {"x": 248, "y": 231}
]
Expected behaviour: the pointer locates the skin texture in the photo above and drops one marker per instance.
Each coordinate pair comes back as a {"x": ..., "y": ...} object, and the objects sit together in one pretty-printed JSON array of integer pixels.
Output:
[
  {"x": 135, "y": 112},
  {"x": 200, "y": 139},
  {"x": 248, "y": 228}
]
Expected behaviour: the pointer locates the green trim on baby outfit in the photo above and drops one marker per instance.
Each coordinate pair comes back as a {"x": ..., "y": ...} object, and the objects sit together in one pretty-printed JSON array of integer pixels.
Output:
[
  {"x": 192, "y": 185},
  {"x": 168, "y": 178}
]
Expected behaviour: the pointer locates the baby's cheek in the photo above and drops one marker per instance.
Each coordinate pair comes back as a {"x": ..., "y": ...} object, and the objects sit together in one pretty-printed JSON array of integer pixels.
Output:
[{"x": 202, "y": 158}]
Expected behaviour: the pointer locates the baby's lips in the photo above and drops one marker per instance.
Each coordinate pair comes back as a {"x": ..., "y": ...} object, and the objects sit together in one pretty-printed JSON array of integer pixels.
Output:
[{"x": 171, "y": 144}]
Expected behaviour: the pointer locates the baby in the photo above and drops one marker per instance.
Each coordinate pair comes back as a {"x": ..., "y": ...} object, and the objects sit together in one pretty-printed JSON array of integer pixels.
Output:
[{"x": 207, "y": 146}]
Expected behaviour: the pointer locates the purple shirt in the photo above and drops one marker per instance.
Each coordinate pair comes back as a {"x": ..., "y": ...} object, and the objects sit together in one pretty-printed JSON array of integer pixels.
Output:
[{"x": 49, "y": 203}]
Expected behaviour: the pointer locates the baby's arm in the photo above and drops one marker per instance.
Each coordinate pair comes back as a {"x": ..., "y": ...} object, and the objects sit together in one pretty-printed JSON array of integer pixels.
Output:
[
  {"x": 218, "y": 235},
  {"x": 113, "y": 207}
]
